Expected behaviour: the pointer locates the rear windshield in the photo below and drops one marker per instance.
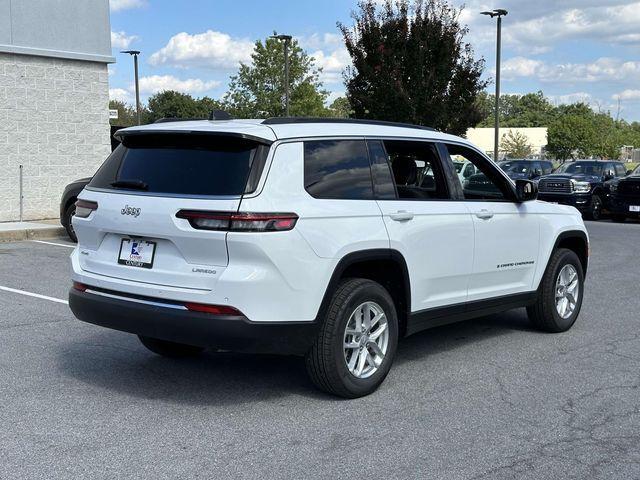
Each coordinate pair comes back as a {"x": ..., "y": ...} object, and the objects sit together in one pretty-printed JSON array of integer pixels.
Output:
[{"x": 182, "y": 164}]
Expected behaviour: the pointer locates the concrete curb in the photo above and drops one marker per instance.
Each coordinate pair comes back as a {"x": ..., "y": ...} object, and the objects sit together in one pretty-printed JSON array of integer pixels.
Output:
[{"x": 32, "y": 234}]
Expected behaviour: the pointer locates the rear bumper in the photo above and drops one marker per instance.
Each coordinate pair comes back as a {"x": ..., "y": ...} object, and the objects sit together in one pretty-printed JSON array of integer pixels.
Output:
[
  {"x": 579, "y": 201},
  {"x": 235, "y": 333}
]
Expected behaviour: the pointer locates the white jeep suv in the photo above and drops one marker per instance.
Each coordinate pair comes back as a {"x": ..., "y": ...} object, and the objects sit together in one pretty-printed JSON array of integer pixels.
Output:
[{"x": 330, "y": 239}]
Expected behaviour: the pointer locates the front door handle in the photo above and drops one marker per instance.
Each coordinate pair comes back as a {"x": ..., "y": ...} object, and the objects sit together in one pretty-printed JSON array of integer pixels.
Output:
[
  {"x": 401, "y": 216},
  {"x": 484, "y": 214}
]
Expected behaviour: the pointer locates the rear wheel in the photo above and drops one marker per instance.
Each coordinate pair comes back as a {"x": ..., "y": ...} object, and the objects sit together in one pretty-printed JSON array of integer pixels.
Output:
[
  {"x": 560, "y": 294},
  {"x": 66, "y": 221},
  {"x": 595, "y": 209},
  {"x": 357, "y": 341},
  {"x": 169, "y": 349}
]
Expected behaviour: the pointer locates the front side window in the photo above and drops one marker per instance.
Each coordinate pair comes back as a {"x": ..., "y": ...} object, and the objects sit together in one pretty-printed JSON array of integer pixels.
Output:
[
  {"x": 337, "y": 169},
  {"x": 487, "y": 183},
  {"x": 417, "y": 171}
]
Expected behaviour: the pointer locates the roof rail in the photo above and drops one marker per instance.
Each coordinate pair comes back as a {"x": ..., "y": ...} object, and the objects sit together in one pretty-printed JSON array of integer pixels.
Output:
[
  {"x": 167, "y": 120},
  {"x": 289, "y": 120}
]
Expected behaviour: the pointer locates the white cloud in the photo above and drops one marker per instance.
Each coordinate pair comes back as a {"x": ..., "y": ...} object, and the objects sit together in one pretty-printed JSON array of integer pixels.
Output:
[
  {"x": 120, "y": 94},
  {"x": 209, "y": 49},
  {"x": 536, "y": 27},
  {"x": 603, "y": 69},
  {"x": 629, "y": 94},
  {"x": 122, "y": 40},
  {"x": 569, "y": 98},
  {"x": 332, "y": 64},
  {"x": 118, "y": 5},
  {"x": 158, "y": 83}
]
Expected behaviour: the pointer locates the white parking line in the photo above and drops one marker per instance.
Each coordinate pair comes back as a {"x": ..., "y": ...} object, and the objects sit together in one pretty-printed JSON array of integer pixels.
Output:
[
  {"x": 36, "y": 295},
  {"x": 53, "y": 243}
]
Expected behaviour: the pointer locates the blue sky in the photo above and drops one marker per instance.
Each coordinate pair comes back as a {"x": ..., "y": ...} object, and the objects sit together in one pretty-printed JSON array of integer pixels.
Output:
[{"x": 573, "y": 50}]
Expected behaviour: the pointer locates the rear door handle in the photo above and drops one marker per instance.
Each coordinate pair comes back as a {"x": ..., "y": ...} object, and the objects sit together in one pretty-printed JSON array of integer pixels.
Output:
[
  {"x": 401, "y": 216},
  {"x": 484, "y": 214}
]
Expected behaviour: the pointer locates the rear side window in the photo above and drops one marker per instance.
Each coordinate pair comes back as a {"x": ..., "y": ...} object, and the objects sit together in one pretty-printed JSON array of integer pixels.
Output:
[
  {"x": 337, "y": 169},
  {"x": 208, "y": 165}
]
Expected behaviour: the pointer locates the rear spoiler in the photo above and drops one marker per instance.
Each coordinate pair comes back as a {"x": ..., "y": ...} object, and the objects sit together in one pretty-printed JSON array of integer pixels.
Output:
[{"x": 121, "y": 135}]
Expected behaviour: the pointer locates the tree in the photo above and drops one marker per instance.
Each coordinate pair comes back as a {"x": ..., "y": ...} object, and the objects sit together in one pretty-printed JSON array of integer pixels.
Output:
[
  {"x": 126, "y": 114},
  {"x": 172, "y": 104},
  {"x": 516, "y": 144},
  {"x": 530, "y": 110},
  {"x": 570, "y": 136},
  {"x": 258, "y": 90},
  {"x": 410, "y": 64},
  {"x": 340, "y": 108}
]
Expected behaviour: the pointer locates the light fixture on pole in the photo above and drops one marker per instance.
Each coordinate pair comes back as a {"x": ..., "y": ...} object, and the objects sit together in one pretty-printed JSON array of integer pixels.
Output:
[
  {"x": 498, "y": 12},
  {"x": 287, "y": 41},
  {"x": 134, "y": 54}
]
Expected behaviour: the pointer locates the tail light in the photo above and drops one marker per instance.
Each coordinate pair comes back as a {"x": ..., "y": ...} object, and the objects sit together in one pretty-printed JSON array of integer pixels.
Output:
[
  {"x": 213, "y": 309},
  {"x": 85, "y": 207},
  {"x": 239, "y": 222}
]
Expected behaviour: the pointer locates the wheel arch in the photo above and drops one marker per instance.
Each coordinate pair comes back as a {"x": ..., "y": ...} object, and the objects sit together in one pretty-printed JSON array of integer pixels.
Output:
[
  {"x": 578, "y": 242},
  {"x": 385, "y": 266}
]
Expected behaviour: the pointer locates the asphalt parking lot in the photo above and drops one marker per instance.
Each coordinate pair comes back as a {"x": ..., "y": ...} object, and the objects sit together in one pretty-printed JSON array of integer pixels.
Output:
[{"x": 488, "y": 398}]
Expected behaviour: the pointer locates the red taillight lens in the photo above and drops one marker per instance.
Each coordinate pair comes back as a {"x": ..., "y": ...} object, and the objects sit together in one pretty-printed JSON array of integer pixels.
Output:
[
  {"x": 80, "y": 286},
  {"x": 239, "y": 222},
  {"x": 213, "y": 309},
  {"x": 85, "y": 207}
]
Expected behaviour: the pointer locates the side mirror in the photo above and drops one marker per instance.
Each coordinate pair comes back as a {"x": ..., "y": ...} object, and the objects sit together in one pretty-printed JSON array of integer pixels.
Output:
[
  {"x": 526, "y": 190},
  {"x": 608, "y": 175},
  {"x": 629, "y": 172},
  {"x": 536, "y": 173}
]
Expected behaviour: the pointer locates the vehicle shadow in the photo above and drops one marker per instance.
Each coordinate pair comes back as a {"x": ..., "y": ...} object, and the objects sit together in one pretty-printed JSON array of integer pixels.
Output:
[{"x": 115, "y": 361}]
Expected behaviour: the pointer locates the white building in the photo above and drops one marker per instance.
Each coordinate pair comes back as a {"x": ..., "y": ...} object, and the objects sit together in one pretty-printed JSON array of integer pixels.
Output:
[
  {"x": 484, "y": 138},
  {"x": 54, "y": 95}
]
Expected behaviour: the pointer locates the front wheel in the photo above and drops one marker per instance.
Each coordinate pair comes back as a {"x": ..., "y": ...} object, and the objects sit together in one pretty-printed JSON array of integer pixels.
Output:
[
  {"x": 169, "y": 349},
  {"x": 560, "y": 293},
  {"x": 357, "y": 341},
  {"x": 595, "y": 209}
]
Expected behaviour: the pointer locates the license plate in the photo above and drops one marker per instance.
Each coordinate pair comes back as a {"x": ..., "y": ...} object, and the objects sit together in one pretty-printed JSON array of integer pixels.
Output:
[
  {"x": 136, "y": 253},
  {"x": 634, "y": 208}
]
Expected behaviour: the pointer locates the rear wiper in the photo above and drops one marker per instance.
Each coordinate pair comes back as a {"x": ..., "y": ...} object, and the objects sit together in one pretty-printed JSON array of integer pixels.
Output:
[{"x": 130, "y": 184}]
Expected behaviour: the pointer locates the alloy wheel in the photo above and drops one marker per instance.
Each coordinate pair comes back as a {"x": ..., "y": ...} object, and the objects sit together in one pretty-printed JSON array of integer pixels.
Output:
[
  {"x": 567, "y": 291},
  {"x": 366, "y": 339}
]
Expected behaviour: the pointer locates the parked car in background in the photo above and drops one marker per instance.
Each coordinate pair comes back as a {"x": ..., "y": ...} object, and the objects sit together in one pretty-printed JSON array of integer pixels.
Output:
[
  {"x": 328, "y": 238},
  {"x": 624, "y": 196},
  {"x": 515, "y": 169},
  {"x": 68, "y": 205},
  {"x": 464, "y": 168},
  {"x": 581, "y": 184},
  {"x": 526, "y": 169}
]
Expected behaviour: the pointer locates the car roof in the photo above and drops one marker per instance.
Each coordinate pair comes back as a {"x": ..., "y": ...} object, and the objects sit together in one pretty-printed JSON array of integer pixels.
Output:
[{"x": 271, "y": 130}]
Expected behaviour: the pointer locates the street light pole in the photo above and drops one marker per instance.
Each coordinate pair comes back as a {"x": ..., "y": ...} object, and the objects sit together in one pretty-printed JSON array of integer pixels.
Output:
[
  {"x": 287, "y": 41},
  {"x": 134, "y": 54},
  {"x": 497, "y": 13}
]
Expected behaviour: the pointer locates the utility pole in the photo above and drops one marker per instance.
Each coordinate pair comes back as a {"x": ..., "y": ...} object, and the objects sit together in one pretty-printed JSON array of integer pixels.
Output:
[
  {"x": 287, "y": 41},
  {"x": 497, "y": 13},
  {"x": 134, "y": 54}
]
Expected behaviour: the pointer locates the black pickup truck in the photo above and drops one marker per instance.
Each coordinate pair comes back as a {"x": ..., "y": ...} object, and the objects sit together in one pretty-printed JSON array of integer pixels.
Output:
[
  {"x": 581, "y": 184},
  {"x": 624, "y": 196}
]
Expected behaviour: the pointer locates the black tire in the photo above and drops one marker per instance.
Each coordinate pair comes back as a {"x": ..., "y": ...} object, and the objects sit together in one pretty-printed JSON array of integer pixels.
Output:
[
  {"x": 595, "y": 208},
  {"x": 66, "y": 221},
  {"x": 543, "y": 314},
  {"x": 619, "y": 218},
  {"x": 325, "y": 361},
  {"x": 170, "y": 349}
]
